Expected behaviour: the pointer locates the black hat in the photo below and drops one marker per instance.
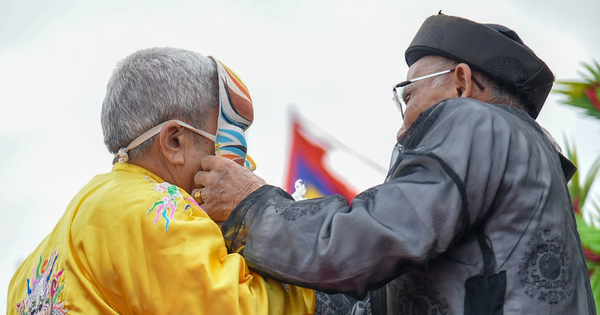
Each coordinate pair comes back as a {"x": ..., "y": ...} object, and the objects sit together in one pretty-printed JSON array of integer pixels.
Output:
[{"x": 493, "y": 49}]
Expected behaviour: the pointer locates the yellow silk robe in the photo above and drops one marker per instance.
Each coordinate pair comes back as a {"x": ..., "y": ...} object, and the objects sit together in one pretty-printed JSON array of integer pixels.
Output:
[{"x": 130, "y": 243}]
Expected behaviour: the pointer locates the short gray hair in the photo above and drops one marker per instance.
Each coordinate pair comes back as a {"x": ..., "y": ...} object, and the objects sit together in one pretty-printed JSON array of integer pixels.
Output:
[
  {"x": 152, "y": 86},
  {"x": 499, "y": 94}
]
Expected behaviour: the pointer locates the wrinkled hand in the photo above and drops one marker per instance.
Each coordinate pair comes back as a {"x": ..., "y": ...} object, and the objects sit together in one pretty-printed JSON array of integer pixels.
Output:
[{"x": 224, "y": 184}]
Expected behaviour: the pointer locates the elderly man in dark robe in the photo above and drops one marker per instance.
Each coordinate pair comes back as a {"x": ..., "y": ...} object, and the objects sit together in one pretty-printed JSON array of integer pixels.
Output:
[{"x": 474, "y": 216}]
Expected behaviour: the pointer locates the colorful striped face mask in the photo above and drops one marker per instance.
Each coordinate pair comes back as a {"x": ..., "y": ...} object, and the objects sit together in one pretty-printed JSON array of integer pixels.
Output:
[{"x": 235, "y": 116}]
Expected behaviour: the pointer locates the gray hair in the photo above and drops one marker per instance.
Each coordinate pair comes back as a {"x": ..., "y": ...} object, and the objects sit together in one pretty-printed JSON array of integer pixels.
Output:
[
  {"x": 499, "y": 94},
  {"x": 152, "y": 86}
]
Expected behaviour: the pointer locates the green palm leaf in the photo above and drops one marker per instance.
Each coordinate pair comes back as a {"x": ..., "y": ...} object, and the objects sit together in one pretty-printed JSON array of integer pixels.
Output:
[
  {"x": 585, "y": 96},
  {"x": 575, "y": 92},
  {"x": 589, "y": 179},
  {"x": 574, "y": 183}
]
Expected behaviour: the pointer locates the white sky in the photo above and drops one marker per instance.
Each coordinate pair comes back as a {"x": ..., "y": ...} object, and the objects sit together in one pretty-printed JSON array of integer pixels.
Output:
[{"x": 335, "y": 61}]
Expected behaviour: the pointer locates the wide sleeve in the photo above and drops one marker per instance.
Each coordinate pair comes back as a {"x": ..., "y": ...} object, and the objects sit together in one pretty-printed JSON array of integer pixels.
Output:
[
  {"x": 440, "y": 188},
  {"x": 164, "y": 255}
]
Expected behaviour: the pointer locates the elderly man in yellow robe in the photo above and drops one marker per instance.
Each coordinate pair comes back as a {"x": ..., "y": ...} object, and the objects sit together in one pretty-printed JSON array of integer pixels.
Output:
[{"x": 133, "y": 241}]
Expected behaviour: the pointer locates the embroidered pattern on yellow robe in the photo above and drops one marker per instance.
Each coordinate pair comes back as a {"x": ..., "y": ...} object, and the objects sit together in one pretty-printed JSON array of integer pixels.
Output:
[{"x": 129, "y": 243}]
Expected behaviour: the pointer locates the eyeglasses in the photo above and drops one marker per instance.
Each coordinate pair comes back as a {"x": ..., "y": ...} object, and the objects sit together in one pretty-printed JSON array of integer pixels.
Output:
[{"x": 398, "y": 98}]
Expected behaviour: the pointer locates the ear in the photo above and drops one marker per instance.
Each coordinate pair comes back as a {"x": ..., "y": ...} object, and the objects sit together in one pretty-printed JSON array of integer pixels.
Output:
[
  {"x": 170, "y": 144},
  {"x": 463, "y": 83}
]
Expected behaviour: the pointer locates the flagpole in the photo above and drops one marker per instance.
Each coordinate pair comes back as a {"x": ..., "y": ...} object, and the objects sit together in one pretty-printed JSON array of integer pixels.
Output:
[{"x": 294, "y": 113}]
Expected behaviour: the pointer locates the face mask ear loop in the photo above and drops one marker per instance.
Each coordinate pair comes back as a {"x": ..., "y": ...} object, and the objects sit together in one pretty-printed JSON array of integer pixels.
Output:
[
  {"x": 218, "y": 149},
  {"x": 249, "y": 163},
  {"x": 122, "y": 157},
  {"x": 205, "y": 134}
]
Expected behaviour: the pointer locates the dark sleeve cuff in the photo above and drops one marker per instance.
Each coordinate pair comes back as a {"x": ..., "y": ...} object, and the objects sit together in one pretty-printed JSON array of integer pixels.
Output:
[{"x": 235, "y": 229}]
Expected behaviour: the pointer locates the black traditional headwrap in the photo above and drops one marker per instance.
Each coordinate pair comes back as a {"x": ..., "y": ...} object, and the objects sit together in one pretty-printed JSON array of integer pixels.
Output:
[{"x": 492, "y": 49}]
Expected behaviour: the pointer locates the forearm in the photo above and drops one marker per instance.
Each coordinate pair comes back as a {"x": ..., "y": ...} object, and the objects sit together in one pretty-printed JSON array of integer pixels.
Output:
[{"x": 327, "y": 245}]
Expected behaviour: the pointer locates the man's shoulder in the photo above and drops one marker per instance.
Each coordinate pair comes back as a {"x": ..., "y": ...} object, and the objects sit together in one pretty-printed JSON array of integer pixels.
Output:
[
  {"x": 467, "y": 117},
  {"x": 473, "y": 107},
  {"x": 127, "y": 184},
  {"x": 123, "y": 197},
  {"x": 461, "y": 111},
  {"x": 466, "y": 112}
]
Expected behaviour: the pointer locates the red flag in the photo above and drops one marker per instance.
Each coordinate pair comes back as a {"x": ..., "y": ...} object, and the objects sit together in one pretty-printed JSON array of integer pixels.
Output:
[{"x": 307, "y": 163}]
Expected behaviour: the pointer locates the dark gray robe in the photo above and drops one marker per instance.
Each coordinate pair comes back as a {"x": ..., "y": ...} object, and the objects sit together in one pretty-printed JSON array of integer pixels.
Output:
[{"x": 473, "y": 218}]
